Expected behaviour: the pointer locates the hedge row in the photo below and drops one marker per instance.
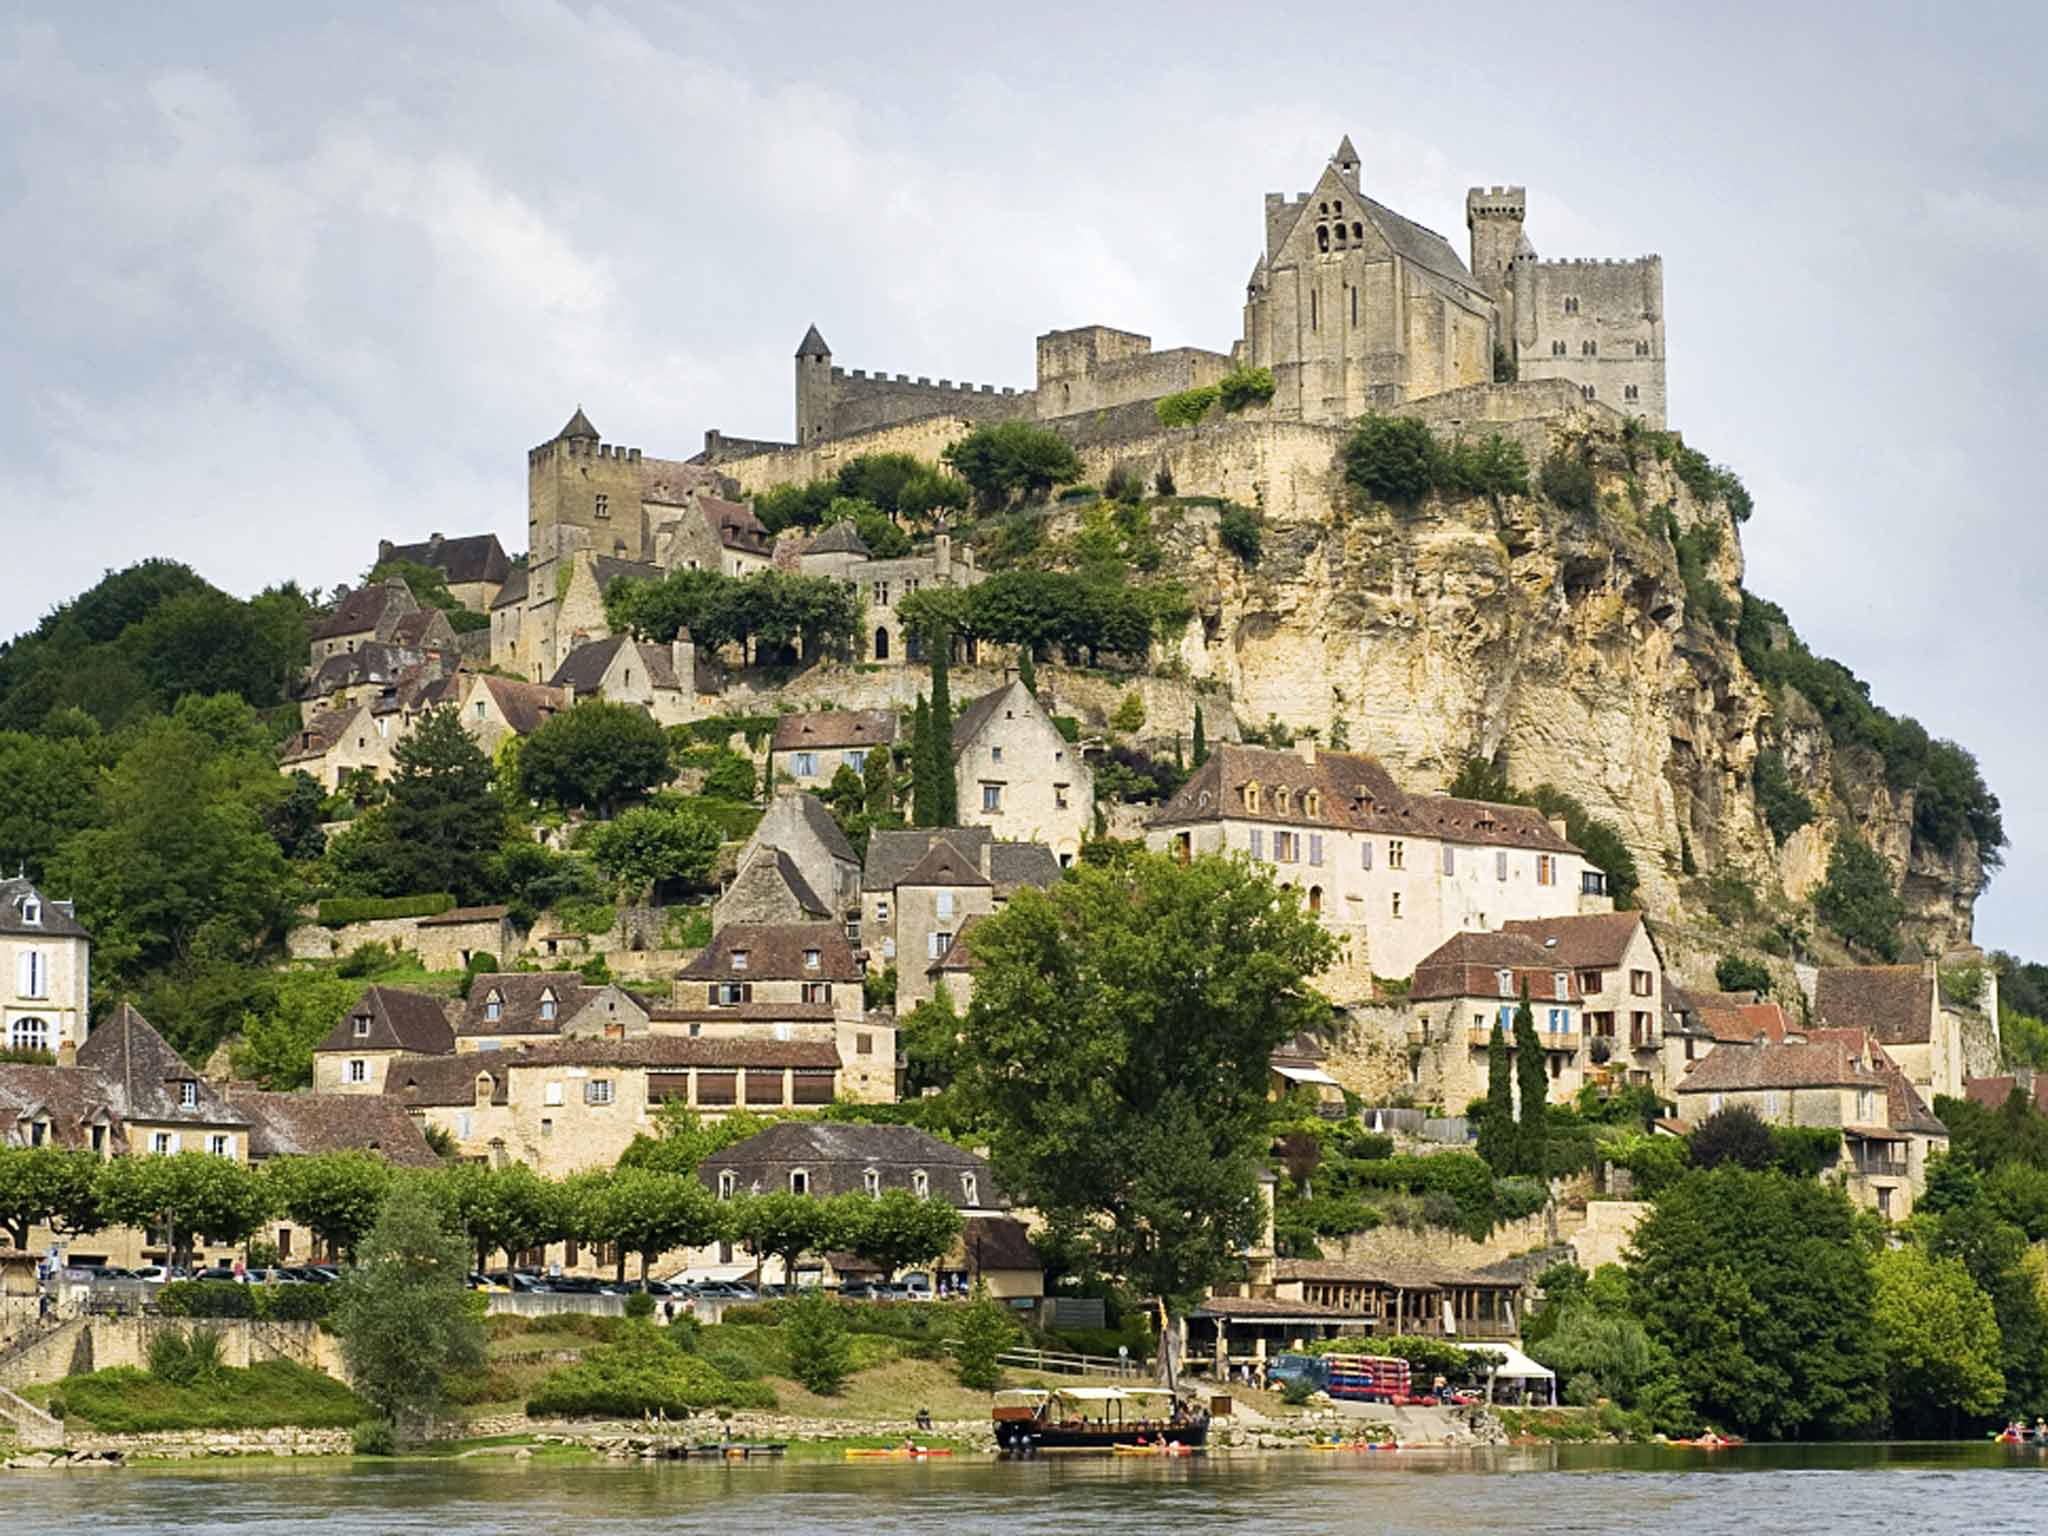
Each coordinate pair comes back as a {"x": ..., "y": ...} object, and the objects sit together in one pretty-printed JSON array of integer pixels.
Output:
[
  {"x": 227, "y": 1298},
  {"x": 338, "y": 911}
]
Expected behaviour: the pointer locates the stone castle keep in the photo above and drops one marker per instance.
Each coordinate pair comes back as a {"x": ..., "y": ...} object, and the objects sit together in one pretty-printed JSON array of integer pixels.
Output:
[{"x": 1351, "y": 306}]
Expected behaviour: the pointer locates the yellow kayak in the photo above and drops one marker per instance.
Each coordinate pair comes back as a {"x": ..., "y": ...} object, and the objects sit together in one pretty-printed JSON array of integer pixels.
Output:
[
  {"x": 1170, "y": 1449},
  {"x": 899, "y": 1453}
]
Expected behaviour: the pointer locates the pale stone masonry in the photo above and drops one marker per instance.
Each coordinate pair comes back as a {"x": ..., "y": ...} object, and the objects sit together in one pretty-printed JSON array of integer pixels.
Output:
[
  {"x": 808, "y": 750},
  {"x": 1018, "y": 776},
  {"x": 45, "y": 971},
  {"x": 1620, "y": 975},
  {"x": 1474, "y": 982},
  {"x": 1392, "y": 874}
]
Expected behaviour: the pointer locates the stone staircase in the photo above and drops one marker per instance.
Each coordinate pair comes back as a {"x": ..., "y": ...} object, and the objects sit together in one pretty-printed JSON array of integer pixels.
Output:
[
  {"x": 27, "y": 1355},
  {"x": 35, "y": 1429}
]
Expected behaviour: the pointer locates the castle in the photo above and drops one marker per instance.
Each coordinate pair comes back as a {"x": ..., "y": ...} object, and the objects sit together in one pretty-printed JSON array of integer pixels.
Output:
[{"x": 1350, "y": 305}]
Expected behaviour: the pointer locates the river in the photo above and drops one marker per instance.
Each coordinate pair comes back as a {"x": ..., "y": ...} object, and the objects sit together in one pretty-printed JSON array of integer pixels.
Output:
[{"x": 1927, "y": 1490}]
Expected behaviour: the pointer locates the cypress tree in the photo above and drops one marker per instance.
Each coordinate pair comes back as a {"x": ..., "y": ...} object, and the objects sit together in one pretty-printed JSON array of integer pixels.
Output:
[
  {"x": 946, "y": 789},
  {"x": 878, "y": 785},
  {"x": 1027, "y": 669},
  {"x": 1201, "y": 739},
  {"x": 1497, "y": 1135},
  {"x": 1533, "y": 1079},
  {"x": 923, "y": 801}
]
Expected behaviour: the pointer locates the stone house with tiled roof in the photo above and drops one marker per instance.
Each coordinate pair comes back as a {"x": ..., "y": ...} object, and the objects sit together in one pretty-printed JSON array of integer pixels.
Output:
[
  {"x": 474, "y": 564},
  {"x": 1899, "y": 1006},
  {"x": 382, "y": 1025},
  {"x": 1393, "y": 875},
  {"x": 920, "y": 884},
  {"x": 788, "y": 981},
  {"x": 368, "y": 613},
  {"x": 1018, "y": 776},
  {"x": 1620, "y": 973},
  {"x": 509, "y": 1009},
  {"x": 799, "y": 827},
  {"x": 661, "y": 679},
  {"x": 1474, "y": 981},
  {"x": 1838, "y": 1079},
  {"x": 769, "y": 888},
  {"x": 45, "y": 971},
  {"x": 566, "y": 1106},
  {"x": 808, "y": 749}
]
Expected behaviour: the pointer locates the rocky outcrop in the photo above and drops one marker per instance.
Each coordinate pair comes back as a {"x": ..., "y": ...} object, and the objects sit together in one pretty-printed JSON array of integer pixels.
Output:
[{"x": 1564, "y": 641}]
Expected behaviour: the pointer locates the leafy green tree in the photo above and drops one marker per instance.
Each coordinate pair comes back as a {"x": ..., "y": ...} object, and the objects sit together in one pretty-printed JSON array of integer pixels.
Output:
[
  {"x": 1238, "y": 531},
  {"x": 1941, "y": 1343},
  {"x": 1738, "y": 973},
  {"x": 878, "y": 786},
  {"x": 1601, "y": 1355},
  {"x": 649, "y": 847},
  {"x": 336, "y": 1196},
  {"x": 846, "y": 795},
  {"x": 185, "y": 1193},
  {"x": 929, "y": 1038},
  {"x": 46, "y": 795},
  {"x": 181, "y": 862},
  {"x": 1953, "y": 1184},
  {"x": 508, "y": 1209},
  {"x": 1858, "y": 899},
  {"x": 786, "y": 1226},
  {"x": 731, "y": 777},
  {"x": 897, "y": 1229},
  {"x": 1118, "y": 1043},
  {"x": 1532, "y": 1086},
  {"x": 429, "y": 587},
  {"x": 47, "y": 1187},
  {"x": 924, "y": 788},
  {"x": 405, "y": 1314},
  {"x": 1012, "y": 458},
  {"x": 1995, "y": 1253},
  {"x": 1130, "y": 713},
  {"x": 1391, "y": 459},
  {"x": 682, "y": 1139},
  {"x": 945, "y": 787},
  {"x": 644, "y": 1211},
  {"x": 985, "y": 1332},
  {"x": 1760, "y": 1287},
  {"x": 1499, "y": 1137},
  {"x": 594, "y": 755},
  {"x": 1736, "y": 1135},
  {"x": 814, "y": 1337}
]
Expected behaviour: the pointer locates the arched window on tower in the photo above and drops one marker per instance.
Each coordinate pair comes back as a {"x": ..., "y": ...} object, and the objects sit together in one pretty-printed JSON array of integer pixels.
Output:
[
  {"x": 1322, "y": 237},
  {"x": 1357, "y": 231},
  {"x": 881, "y": 644}
]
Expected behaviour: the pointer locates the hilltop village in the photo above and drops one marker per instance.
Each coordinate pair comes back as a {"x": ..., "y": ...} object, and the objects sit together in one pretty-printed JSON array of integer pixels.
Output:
[{"x": 785, "y": 746}]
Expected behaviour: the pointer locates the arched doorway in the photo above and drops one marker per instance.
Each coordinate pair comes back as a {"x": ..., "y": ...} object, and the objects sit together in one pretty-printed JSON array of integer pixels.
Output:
[{"x": 881, "y": 644}]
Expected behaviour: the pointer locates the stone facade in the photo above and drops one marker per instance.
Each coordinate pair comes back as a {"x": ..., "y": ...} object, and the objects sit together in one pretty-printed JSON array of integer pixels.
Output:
[
  {"x": 1018, "y": 776},
  {"x": 45, "y": 971}
]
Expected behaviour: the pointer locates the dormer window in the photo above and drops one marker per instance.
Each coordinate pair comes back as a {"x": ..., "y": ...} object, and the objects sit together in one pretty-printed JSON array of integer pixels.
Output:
[
  {"x": 799, "y": 1181},
  {"x": 1280, "y": 800},
  {"x": 32, "y": 910},
  {"x": 1251, "y": 798},
  {"x": 920, "y": 1184},
  {"x": 1312, "y": 803},
  {"x": 362, "y": 1025},
  {"x": 970, "y": 1189},
  {"x": 547, "y": 1005},
  {"x": 728, "y": 1184},
  {"x": 871, "y": 1181},
  {"x": 739, "y": 959},
  {"x": 812, "y": 959},
  {"x": 188, "y": 1095},
  {"x": 494, "y": 1007},
  {"x": 1506, "y": 980}
]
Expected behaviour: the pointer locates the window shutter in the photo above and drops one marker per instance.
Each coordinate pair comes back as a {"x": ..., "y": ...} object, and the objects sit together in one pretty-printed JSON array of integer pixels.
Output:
[
  {"x": 711, "y": 994},
  {"x": 1315, "y": 849},
  {"x": 1258, "y": 843},
  {"x": 1450, "y": 859},
  {"x": 1365, "y": 854}
]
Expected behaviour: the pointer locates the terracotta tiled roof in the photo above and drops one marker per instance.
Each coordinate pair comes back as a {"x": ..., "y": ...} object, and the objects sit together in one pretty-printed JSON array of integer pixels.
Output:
[
  {"x": 1992, "y": 1092},
  {"x": 1596, "y": 941},
  {"x": 774, "y": 952},
  {"x": 1355, "y": 794},
  {"x": 70, "y": 1098},
  {"x": 1896, "y": 1003},
  {"x": 835, "y": 728},
  {"x": 838, "y": 1153},
  {"x": 1749, "y": 1022},
  {"x": 283, "y": 1124},
  {"x": 520, "y": 996},
  {"x": 526, "y": 706},
  {"x": 1469, "y": 965},
  {"x": 1753, "y": 1068},
  {"x": 734, "y": 525},
  {"x": 1905, "y": 1110},
  {"x": 399, "y": 1021},
  {"x": 446, "y": 1080}
]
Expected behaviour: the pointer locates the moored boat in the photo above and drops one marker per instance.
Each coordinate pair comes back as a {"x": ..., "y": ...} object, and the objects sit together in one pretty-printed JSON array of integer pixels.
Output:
[{"x": 1147, "y": 1420}]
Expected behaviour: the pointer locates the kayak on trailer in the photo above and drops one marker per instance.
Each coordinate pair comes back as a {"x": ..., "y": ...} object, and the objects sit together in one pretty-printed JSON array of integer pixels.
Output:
[{"x": 902, "y": 1452}]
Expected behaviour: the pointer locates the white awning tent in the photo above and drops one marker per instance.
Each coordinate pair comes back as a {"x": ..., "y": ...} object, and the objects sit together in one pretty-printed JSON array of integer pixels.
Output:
[
  {"x": 1315, "y": 1075},
  {"x": 1516, "y": 1366}
]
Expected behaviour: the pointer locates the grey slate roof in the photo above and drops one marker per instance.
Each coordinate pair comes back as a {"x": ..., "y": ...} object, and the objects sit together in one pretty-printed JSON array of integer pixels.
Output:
[
  {"x": 578, "y": 426},
  {"x": 469, "y": 557},
  {"x": 834, "y": 728},
  {"x": 520, "y": 995},
  {"x": 584, "y": 668},
  {"x": 362, "y": 610},
  {"x": 58, "y": 919},
  {"x": 775, "y": 952},
  {"x": 307, "y": 1124},
  {"x": 968, "y": 723},
  {"x": 842, "y": 538},
  {"x": 838, "y": 1154},
  {"x": 149, "y": 1076},
  {"x": 813, "y": 344},
  {"x": 943, "y": 864},
  {"x": 818, "y": 821},
  {"x": 609, "y": 568},
  {"x": 513, "y": 592},
  {"x": 799, "y": 887},
  {"x": 894, "y": 852},
  {"x": 1015, "y": 864},
  {"x": 399, "y": 1021}
]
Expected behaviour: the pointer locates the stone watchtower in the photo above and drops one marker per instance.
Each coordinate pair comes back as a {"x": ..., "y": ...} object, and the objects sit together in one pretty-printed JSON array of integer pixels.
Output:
[
  {"x": 582, "y": 493},
  {"x": 1493, "y": 218},
  {"x": 813, "y": 388}
]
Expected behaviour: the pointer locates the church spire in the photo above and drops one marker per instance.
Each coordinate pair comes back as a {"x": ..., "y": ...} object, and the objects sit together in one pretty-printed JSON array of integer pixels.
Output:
[{"x": 1346, "y": 161}]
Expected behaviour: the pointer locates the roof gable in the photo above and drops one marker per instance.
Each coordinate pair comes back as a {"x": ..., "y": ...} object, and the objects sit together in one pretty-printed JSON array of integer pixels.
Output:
[
  {"x": 396, "y": 1020},
  {"x": 1895, "y": 1003},
  {"x": 154, "y": 1082},
  {"x": 774, "y": 952},
  {"x": 1593, "y": 941}
]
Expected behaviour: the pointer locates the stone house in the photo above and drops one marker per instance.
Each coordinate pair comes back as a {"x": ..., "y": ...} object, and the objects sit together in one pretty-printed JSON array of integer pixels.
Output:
[
  {"x": 1899, "y": 1006},
  {"x": 449, "y": 940},
  {"x": 368, "y": 613},
  {"x": 1018, "y": 776},
  {"x": 311, "y": 1124},
  {"x": 386, "y": 1023},
  {"x": 661, "y": 679},
  {"x": 1840, "y": 1079},
  {"x": 373, "y": 669},
  {"x": 716, "y": 535},
  {"x": 46, "y": 969},
  {"x": 536, "y": 624},
  {"x": 1393, "y": 875},
  {"x": 1472, "y": 982},
  {"x": 954, "y": 970},
  {"x": 510, "y": 1009},
  {"x": 366, "y": 736},
  {"x": 912, "y": 907},
  {"x": 808, "y": 749},
  {"x": 839, "y": 552},
  {"x": 565, "y": 1106},
  {"x": 1620, "y": 973},
  {"x": 799, "y": 827},
  {"x": 769, "y": 888},
  {"x": 825, "y": 1158},
  {"x": 473, "y": 564},
  {"x": 791, "y": 981}
]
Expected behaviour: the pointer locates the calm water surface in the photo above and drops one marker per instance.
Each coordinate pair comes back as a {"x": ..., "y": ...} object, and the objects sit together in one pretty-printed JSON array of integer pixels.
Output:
[{"x": 1929, "y": 1490}]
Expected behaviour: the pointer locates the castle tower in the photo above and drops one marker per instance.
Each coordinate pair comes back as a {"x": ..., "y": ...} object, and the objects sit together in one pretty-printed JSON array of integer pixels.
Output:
[
  {"x": 1493, "y": 218},
  {"x": 813, "y": 387}
]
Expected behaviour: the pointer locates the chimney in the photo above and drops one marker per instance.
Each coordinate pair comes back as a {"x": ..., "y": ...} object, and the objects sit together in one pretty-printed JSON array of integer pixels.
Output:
[
  {"x": 434, "y": 541},
  {"x": 67, "y": 1052},
  {"x": 1306, "y": 746},
  {"x": 385, "y": 550},
  {"x": 1557, "y": 826},
  {"x": 942, "y": 554}
]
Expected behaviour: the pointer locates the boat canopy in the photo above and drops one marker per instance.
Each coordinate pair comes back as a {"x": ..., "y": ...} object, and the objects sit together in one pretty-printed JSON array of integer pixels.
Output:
[
  {"x": 1516, "y": 1366},
  {"x": 1027, "y": 1394}
]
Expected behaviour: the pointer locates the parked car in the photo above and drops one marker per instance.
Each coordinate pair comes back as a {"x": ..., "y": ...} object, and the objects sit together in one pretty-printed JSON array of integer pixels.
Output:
[
  {"x": 726, "y": 1290},
  {"x": 156, "y": 1274},
  {"x": 218, "y": 1272},
  {"x": 311, "y": 1274},
  {"x": 523, "y": 1283},
  {"x": 915, "y": 1288},
  {"x": 651, "y": 1287}
]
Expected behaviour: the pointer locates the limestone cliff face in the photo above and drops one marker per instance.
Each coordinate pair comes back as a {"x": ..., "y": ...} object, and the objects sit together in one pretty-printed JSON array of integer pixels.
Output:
[{"x": 1564, "y": 639}]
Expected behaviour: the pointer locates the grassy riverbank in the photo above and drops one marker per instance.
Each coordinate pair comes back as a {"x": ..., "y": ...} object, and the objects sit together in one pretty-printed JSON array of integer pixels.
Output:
[{"x": 276, "y": 1394}]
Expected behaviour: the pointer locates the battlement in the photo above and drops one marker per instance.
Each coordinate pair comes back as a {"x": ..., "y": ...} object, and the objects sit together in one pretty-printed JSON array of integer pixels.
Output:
[
  {"x": 583, "y": 448},
  {"x": 1496, "y": 202},
  {"x": 862, "y": 376},
  {"x": 1599, "y": 261}
]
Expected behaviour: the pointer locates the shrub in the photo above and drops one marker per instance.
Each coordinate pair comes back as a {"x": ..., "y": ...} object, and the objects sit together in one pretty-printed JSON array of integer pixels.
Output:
[
  {"x": 1857, "y": 898},
  {"x": 1242, "y": 387},
  {"x": 1391, "y": 459},
  {"x": 1492, "y": 466},
  {"x": 1124, "y": 484},
  {"x": 985, "y": 1332},
  {"x": 1187, "y": 407},
  {"x": 208, "y": 1298},
  {"x": 1785, "y": 809},
  {"x": 374, "y": 1437},
  {"x": 643, "y": 1373},
  {"x": 640, "y": 1305},
  {"x": 1162, "y": 483},
  {"x": 1962, "y": 986},
  {"x": 1568, "y": 480},
  {"x": 1130, "y": 713},
  {"x": 339, "y": 911},
  {"x": 1238, "y": 531},
  {"x": 1737, "y": 1135},
  {"x": 1738, "y": 974},
  {"x": 814, "y": 1333},
  {"x": 186, "y": 1359},
  {"x": 1297, "y": 1390}
]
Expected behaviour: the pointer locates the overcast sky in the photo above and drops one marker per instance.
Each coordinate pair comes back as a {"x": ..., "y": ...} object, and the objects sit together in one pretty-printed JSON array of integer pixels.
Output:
[{"x": 276, "y": 283}]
